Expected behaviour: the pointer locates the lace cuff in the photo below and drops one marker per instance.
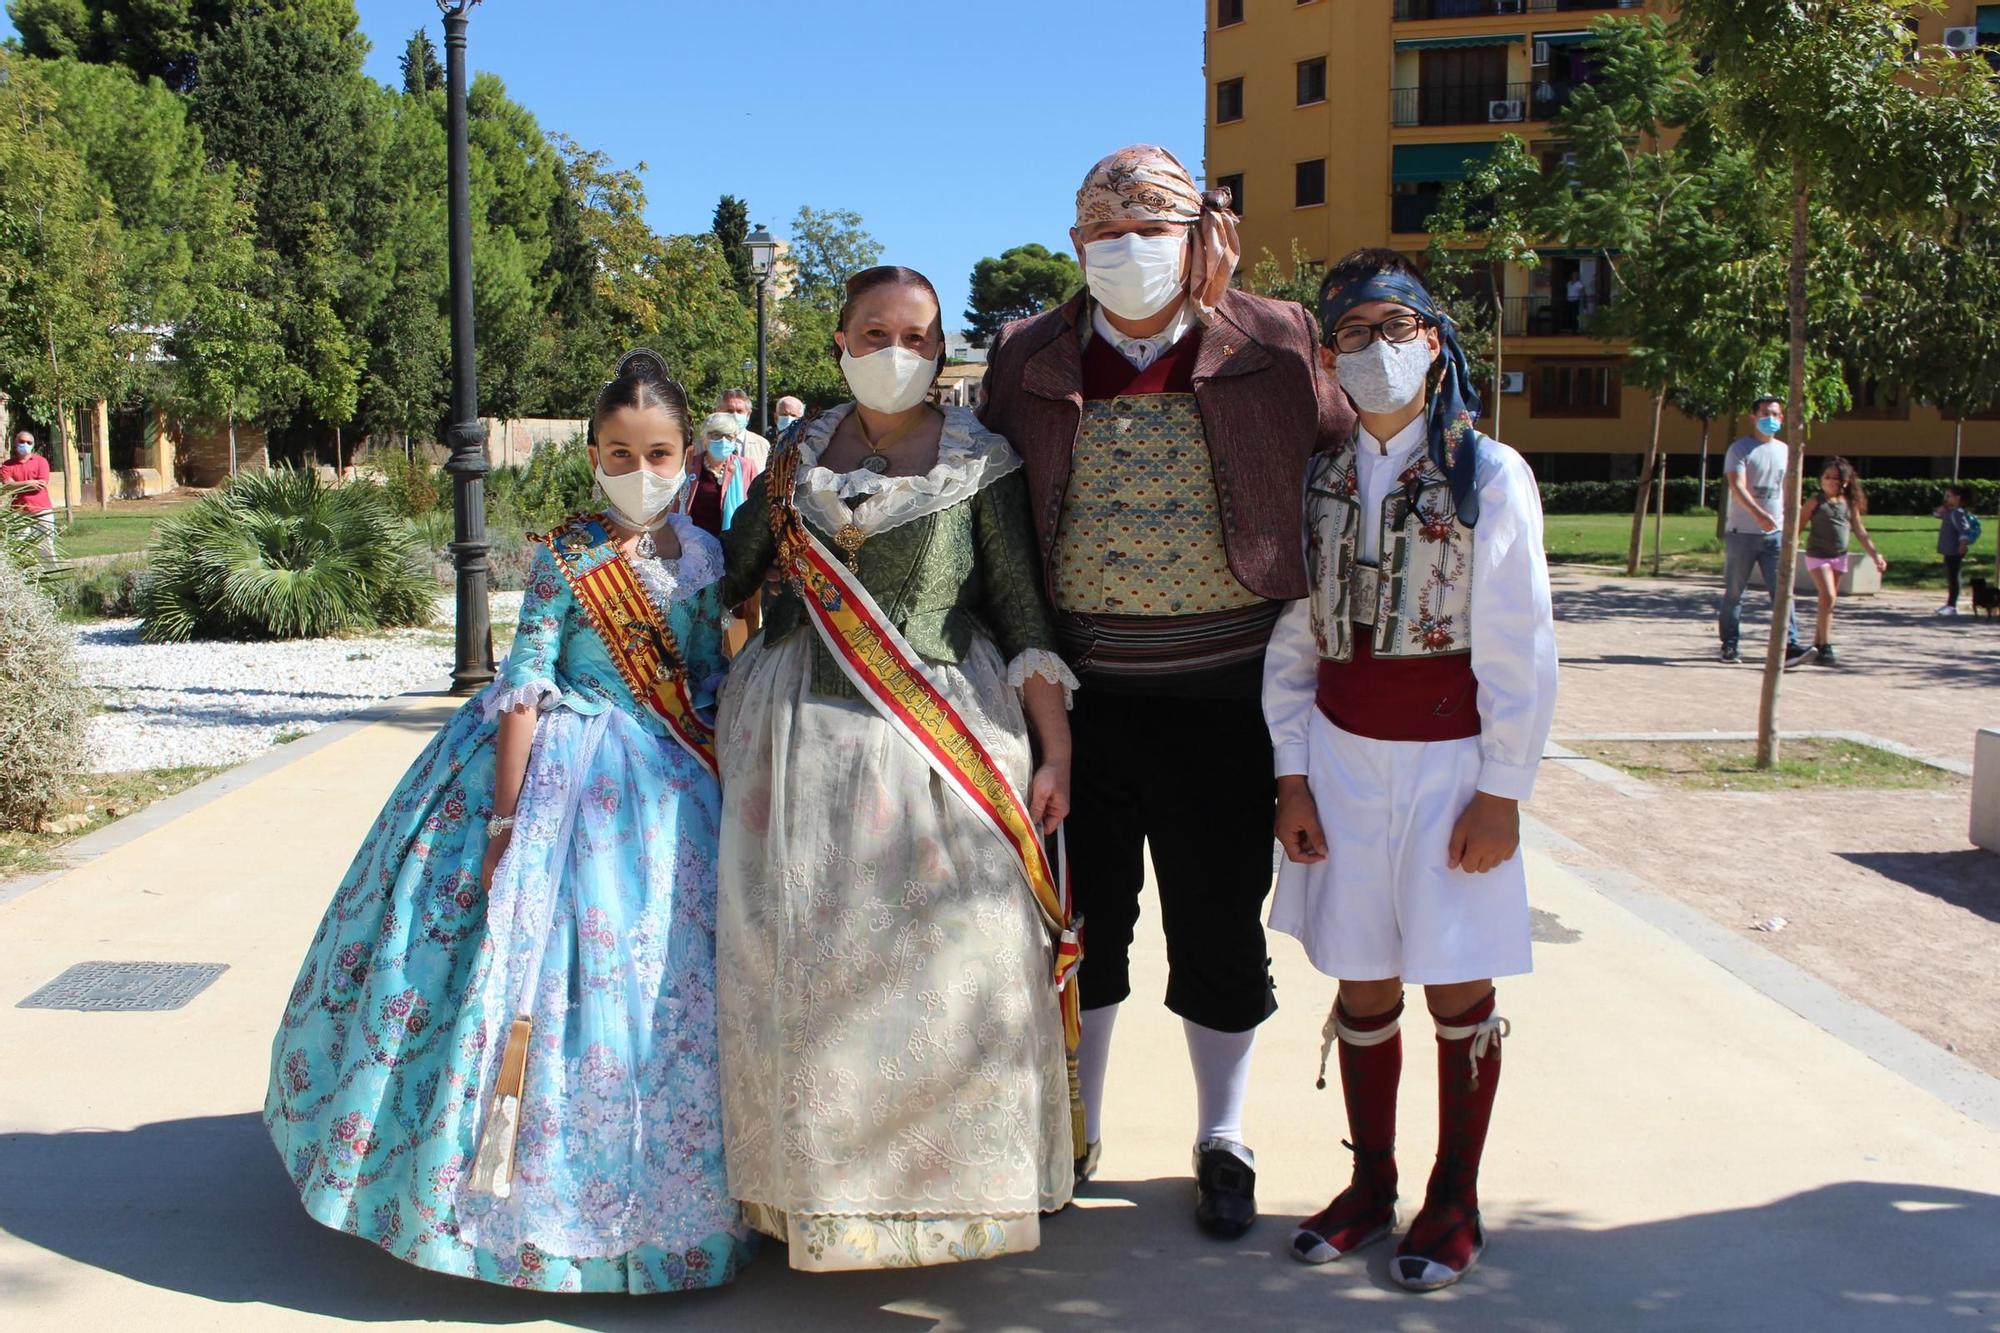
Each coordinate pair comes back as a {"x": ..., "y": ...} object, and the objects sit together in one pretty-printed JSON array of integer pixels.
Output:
[
  {"x": 535, "y": 694},
  {"x": 1041, "y": 662}
]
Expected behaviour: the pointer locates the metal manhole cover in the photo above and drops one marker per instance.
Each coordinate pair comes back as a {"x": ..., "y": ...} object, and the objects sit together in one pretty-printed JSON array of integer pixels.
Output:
[{"x": 131, "y": 987}]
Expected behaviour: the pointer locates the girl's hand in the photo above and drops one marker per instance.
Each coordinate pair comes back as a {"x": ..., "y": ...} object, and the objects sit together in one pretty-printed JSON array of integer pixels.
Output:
[
  {"x": 1881, "y": 564},
  {"x": 1048, "y": 795},
  {"x": 495, "y": 848}
]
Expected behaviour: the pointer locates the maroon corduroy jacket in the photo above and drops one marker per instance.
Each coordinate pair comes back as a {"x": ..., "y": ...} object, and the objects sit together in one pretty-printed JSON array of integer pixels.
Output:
[{"x": 1266, "y": 407}]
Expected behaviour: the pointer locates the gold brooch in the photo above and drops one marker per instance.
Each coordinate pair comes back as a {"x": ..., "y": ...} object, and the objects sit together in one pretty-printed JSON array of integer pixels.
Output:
[{"x": 849, "y": 539}]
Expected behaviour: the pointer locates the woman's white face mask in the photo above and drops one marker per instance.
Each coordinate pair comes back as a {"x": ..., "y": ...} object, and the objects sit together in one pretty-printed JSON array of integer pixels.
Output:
[
  {"x": 1385, "y": 377},
  {"x": 894, "y": 379},
  {"x": 639, "y": 496},
  {"x": 1134, "y": 276}
]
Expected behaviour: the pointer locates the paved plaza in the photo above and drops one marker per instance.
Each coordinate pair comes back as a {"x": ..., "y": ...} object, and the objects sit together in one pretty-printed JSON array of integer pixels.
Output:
[{"x": 1693, "y": 1133}]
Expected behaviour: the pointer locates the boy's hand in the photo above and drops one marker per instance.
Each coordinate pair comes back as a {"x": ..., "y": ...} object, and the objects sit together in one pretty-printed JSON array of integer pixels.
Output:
[
  {"x": 1298, "y": 826},
  {"x": 1486, "y": 834}
]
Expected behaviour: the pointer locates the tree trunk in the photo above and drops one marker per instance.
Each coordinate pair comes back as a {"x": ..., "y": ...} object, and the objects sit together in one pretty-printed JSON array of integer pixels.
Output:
[
  {"x": 1722, "y": 500},
  {"x": 1499, "y": 344},
  {"x": 1660, "y": 515},
  {"x": 1701, "y": 487},
  {"x": 1645, "y": 487},
  {"x": 1788, "y": 542},
  {"x": 232, "y": 441},
  {"x": 1957, "y": 445}
]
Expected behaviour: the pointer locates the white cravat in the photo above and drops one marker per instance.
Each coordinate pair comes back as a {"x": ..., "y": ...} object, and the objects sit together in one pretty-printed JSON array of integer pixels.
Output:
[{"x": 1143, "y": 352}]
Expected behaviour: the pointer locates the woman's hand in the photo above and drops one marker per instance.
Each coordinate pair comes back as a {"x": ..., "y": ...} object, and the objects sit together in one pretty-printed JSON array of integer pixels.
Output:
[
  {"x": 1881, "y": 564},
  {"x": 1298, "y": 828},
  {"x": 1048, "y": 795},
  {"x": 496, "y": 847}
]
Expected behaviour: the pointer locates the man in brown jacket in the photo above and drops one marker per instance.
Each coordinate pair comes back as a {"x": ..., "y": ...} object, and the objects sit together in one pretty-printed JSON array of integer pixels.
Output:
[{"x": 1166, "y": 421}]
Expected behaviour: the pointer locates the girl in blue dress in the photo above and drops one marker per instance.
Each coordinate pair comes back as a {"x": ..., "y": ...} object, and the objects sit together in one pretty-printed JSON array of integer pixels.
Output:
[{"x": 499, "y": 1060}]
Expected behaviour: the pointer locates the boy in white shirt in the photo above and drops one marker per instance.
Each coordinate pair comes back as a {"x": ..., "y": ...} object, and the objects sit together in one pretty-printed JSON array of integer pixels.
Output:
[{"x": 1407, "y": 729}]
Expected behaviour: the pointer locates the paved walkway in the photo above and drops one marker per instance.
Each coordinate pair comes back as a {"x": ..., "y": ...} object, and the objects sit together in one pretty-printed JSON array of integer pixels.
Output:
[{"x": 1675, "y": 1148}]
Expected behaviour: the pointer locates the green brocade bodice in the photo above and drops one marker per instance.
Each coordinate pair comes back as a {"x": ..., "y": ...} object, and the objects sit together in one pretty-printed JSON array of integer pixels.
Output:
[{"x": 946, "y": 579}]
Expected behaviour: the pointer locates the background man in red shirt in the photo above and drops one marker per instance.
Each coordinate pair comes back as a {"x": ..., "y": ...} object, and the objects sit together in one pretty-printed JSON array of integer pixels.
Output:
[{"x": 25, "y": 467}]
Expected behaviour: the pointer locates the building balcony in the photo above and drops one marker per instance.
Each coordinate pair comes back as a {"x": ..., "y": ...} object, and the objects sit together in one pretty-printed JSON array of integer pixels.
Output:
[
  {"x": 1546, "y": 316},
  {"x": 1414, "y": 10},
  {"x": 1463, "y": 104}
]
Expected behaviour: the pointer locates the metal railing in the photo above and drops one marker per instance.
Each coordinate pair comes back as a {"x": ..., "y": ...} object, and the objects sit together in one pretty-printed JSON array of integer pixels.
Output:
[
  {"x": 1546, "y": 316},
  {"x": 1462, "y": 104},
  {"x": 1412, "y": 212},
  {"x": 1411, "y": 10}
]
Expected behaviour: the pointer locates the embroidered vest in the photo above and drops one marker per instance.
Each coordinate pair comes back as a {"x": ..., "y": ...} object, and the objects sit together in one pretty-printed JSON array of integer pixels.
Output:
[{"x": 1422, "y": 590}]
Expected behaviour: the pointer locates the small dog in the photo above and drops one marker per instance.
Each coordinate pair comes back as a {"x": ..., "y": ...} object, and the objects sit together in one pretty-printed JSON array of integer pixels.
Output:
[{"x": 1985, "y": 597}]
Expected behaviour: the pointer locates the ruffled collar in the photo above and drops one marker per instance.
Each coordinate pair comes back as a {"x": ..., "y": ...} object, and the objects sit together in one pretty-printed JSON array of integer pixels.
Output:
[{"x": 969, "y": 458}]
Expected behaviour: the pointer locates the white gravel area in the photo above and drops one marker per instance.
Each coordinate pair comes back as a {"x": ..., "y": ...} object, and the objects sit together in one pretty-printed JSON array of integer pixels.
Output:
[{"x": 218, "y": 704}]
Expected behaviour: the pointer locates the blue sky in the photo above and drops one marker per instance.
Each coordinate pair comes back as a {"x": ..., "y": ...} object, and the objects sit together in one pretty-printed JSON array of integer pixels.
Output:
[{"x": 955, "y": 129}]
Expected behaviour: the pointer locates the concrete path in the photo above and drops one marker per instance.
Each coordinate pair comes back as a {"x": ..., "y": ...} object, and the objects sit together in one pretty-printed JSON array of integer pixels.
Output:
[{"x": 1675, "y": 1148}]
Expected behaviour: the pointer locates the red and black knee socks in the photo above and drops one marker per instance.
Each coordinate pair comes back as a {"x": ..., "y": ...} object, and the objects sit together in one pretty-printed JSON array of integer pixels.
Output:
[{"x": 1447, "y": 1232}]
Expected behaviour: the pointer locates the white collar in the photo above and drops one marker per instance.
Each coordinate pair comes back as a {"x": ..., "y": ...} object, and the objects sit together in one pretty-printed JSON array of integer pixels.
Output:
[
  {"x": 1404, "y": 440},
  {"x": 1177, "y": 328}
]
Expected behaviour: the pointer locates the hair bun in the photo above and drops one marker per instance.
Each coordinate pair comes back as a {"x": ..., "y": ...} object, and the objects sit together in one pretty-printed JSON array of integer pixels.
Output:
[{"x": 644, "y": 363}]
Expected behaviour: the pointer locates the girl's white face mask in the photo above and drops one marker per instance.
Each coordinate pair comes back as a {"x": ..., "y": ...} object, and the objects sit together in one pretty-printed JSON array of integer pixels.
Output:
[
  {"x": 1385, "y": 377},
  {"x": 895, "y": 379},
  {"x": 1134, "y": 276},
  {"x": 638, "y": 496}
]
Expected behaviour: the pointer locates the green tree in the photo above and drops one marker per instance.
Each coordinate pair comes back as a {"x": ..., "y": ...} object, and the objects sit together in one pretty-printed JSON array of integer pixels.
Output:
[
  {"x": 422, "y": 73},
  {"x": 59, "y": 261},
  {"x": 1824, "y": 93},
  {"x": 1023, "y": 281},
  {"x": 827, "y": 248},
  {"x": 731, "y": 229},
  {"x": 158, "y": 38},
  {"x": 1269, "y": 277},
  {"x": 1484, "y": 223}
]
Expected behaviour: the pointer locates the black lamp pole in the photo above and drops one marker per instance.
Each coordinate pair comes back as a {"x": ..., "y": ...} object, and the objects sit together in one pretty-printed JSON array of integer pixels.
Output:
[
  {"x": 763, "y": 249},
  {"x": 473, "y": 666}
]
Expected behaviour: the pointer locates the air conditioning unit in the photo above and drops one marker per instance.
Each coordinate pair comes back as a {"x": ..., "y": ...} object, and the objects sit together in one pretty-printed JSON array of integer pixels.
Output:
[
  {"x": 1569, "y": 159},
  {"x": 1513, "y": 381},
  {"x": 1508, "y": 6},
  {"x": 1961, "y": 39},
  {"x": 1505, "y": 110},
  {"x": 1541, "y": 56}
]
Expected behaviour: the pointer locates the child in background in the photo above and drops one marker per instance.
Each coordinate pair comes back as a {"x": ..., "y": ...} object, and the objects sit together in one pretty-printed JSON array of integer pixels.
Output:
[
  {"x": 1838, "y": 510},
  {"x": 1957, "y": 531}
]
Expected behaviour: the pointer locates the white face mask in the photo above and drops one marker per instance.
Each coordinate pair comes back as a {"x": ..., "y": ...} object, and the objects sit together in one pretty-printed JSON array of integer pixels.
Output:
[
  {"x": 894, "y": 379},
  {"x": 1385, "y": 377},
  {"x": 1136, "y": 276},
  {"x": 639, "y": 497}
]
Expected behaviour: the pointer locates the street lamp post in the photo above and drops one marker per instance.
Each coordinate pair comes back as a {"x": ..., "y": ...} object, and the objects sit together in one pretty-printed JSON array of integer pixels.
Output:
[
  {"x": 763, "y": 249},
  {"x": 473, "y": 664}
]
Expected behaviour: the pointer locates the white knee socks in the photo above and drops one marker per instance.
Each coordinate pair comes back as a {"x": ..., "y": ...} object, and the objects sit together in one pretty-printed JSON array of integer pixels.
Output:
[
  {"x": 1221, "y": 1063},
  {"x": 1093, "y": 1058}
]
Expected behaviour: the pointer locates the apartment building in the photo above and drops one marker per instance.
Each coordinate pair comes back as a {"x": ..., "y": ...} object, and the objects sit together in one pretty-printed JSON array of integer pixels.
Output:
[{"x": 1337, "y": 123}]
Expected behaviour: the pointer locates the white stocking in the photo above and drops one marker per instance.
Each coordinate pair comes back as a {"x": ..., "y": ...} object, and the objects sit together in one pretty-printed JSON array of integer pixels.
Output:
[
  {"x": 1221, "y": 1063},
  {"x": 1093, "y": 1059}
]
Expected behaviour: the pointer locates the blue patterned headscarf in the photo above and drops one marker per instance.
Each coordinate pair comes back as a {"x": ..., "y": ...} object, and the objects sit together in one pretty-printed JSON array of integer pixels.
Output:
[{"x": 1454, "y": 403}]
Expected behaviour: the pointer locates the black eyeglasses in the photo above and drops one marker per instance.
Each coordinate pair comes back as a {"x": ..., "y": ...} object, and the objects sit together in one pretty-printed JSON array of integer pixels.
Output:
[{"x": 1395, "y": 329}]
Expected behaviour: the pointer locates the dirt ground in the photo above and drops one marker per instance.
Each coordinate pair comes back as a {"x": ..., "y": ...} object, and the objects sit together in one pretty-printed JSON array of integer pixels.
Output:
[{"x": 1885, "y": 897}]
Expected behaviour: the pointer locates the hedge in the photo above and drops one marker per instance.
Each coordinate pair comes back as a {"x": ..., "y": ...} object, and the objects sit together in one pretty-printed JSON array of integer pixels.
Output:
[{"x": 1886, "y": 495}]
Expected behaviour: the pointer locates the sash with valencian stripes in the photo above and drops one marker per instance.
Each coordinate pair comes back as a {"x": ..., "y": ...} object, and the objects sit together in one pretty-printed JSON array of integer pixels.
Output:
[
  {"x": 890, "y": 676},
  {"x": 632, "y": 629}
]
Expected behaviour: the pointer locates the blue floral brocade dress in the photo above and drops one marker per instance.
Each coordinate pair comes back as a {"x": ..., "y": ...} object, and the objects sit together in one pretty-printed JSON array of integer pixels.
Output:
[{"x": 383, "y": 1070}]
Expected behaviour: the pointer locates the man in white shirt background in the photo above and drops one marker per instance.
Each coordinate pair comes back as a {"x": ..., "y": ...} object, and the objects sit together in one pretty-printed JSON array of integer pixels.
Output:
[{"x": 1755, "y": 468}]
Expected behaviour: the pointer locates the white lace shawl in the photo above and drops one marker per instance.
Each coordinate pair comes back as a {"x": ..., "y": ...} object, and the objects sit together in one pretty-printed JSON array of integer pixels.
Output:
[{"x": 969, "y": 457}]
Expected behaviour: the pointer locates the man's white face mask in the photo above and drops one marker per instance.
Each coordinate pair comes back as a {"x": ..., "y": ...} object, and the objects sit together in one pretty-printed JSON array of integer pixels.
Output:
[{"x": 1134, "y": 276}]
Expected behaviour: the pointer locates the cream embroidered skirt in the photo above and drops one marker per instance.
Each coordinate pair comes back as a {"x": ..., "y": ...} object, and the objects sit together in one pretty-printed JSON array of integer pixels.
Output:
[{"x": 894, "y": 1091}]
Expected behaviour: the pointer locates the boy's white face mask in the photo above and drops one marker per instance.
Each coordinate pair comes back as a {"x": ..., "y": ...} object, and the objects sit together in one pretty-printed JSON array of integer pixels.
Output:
[{"x": 1385, "y": 377}]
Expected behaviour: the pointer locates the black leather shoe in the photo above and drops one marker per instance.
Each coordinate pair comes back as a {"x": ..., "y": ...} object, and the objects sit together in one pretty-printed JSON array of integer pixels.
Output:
[{"x": 1225, "y": 1183}]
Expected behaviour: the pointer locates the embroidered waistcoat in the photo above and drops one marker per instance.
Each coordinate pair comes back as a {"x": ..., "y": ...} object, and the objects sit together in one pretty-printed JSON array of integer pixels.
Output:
[{"x": 1423, "y": 595}]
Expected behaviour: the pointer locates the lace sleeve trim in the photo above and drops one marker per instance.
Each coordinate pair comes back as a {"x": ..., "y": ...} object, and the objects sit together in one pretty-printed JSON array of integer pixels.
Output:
[
  {"x": 535, "y": 694},
  {"x": 1051, "y": 668}
]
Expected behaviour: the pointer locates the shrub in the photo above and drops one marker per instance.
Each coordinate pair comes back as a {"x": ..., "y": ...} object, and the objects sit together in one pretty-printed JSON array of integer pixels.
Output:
[
  {"x": 413, "y": 487},
  {"x": 1616, "y": 497},
  {"x": 1886, "y": 495},
  {"x": 41, "y": 733},
  {"x": 103, "y": 591},
  {"x": 20, "y": 536},
  {"x": 283, "y": 555},
  {"x": 555, "y": 483}
]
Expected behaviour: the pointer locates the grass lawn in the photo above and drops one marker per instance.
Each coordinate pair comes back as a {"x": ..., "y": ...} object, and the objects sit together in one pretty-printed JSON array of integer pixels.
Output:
[
  {"x": 99, "y": 799},
  {"x": 116, "y": 531},
  {"x": 1910, "y": 545},
  {"x": 1732, "y": 765}
]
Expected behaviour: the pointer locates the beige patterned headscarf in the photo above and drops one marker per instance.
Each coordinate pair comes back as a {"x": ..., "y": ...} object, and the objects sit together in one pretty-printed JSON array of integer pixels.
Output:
[{"x": 1146, "y": 181}]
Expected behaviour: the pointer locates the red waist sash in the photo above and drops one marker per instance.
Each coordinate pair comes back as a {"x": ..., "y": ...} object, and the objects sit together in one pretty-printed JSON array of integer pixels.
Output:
[{"x": 1400, "y": 698}]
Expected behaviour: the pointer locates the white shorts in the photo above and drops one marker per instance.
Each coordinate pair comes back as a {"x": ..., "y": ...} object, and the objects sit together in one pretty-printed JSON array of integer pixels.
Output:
[{"x": 1384, "y": 903}]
